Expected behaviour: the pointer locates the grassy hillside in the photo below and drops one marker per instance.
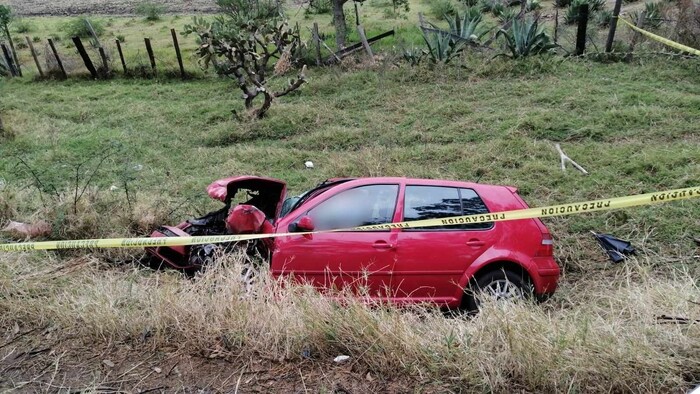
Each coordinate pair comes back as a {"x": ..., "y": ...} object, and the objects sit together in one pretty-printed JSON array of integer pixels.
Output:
[{"x": 94, "y": 319}]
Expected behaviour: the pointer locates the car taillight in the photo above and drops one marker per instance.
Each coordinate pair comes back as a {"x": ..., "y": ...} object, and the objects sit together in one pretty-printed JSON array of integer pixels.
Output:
[{"x": 546, "y": 248}]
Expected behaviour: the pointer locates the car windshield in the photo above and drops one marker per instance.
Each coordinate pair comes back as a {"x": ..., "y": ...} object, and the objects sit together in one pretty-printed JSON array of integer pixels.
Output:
[
  {"x": 291, "y": 203},
  {"x": 288, "y": 204}
]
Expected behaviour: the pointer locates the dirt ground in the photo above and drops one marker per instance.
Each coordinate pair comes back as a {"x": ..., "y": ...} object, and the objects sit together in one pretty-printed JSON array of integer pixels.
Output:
[
  {"x": 109, "y": 7},
  {"x": 48, "y": 360}
]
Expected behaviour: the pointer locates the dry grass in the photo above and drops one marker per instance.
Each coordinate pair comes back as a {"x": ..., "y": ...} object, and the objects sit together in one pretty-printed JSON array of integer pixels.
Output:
[{"x": 596, "y": 336}]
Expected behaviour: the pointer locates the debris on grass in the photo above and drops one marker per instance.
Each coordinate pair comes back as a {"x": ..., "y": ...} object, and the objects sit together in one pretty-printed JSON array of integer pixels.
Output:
[{"x": 28, "y": 230}]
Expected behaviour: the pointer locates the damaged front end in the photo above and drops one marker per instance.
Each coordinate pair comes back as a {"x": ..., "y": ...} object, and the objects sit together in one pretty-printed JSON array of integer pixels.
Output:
[{"x": 251, "y": 206}]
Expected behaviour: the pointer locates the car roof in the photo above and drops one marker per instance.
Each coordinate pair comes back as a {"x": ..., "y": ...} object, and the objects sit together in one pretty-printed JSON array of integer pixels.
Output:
[{"x": 416, "y": 181}]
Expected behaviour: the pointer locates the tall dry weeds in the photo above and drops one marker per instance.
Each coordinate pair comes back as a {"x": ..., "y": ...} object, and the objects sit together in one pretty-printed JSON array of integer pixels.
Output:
[
  {"x": 687, "y": 29},
  {"x": 594, "y": 336}
]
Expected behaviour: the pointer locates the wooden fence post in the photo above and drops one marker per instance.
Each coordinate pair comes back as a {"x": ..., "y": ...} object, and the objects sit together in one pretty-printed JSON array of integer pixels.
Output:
[
  {"x": 368, "y": 49},
  {"x": 149, "y": 49},
  {"x": 58, "y": 59},
  {"x": 83, "y": 54},
  {"x": 582, "y": 26},
  {"x": 317, "y": 41},
  {"x": 105, "y": 63},
  {"x": 121, "y": 55},
  {"x": 556, "y": 22},
  {"x": 36, "y": 58},
  {"x": 17, "y": 67},
  {"x": 177, "y": 52},
  {"x": 613, "y": 26},
  {"x": 8, "y": 60}
]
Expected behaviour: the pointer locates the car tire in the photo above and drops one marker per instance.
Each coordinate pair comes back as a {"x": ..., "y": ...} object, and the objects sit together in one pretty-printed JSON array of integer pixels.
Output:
[{"x": 502, "y": 284}]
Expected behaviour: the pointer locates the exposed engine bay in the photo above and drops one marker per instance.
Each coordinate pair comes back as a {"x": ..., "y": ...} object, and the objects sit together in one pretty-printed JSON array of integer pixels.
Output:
[{"x": 260, "y": 203}]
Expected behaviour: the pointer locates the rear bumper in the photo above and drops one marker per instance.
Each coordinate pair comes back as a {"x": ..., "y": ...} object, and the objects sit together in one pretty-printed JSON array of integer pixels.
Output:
[
  {"x": 548, "y": 273},
  {"x": 548, "y": 283}
]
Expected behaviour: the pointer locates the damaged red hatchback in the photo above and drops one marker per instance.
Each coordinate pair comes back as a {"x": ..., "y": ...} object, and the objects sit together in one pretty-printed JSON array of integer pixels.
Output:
[{"x": 440, "y": 265}]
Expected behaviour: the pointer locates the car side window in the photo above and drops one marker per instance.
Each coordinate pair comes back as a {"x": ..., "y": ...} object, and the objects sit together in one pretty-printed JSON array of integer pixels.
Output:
[
  {"x": 360, "y": 206},
  {"x": 472, "y": 204},
  {"x": 435, "y": 202}
]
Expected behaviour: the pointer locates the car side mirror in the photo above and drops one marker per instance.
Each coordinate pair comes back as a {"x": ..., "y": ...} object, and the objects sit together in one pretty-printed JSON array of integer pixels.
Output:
[{"x": 305, "y": 224}]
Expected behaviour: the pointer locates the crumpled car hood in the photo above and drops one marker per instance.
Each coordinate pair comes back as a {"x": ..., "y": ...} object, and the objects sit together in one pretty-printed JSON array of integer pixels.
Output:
[{"x": 271, "y": 192}]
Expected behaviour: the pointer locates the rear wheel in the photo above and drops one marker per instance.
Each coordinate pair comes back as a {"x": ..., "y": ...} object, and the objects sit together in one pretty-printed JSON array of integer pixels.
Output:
[{"x": 500, "y": 285}]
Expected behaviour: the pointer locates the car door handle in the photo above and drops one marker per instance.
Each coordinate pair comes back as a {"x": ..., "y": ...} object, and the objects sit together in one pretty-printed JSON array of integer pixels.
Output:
[
  {"x": 475, "y": 243},
  {"x": 382, "y": 245}
]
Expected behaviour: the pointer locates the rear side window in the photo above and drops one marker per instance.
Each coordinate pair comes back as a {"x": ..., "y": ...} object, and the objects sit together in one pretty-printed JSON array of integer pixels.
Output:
[
  {"x": 435, "y": 202},
  {"x": 473, "y": 205}
]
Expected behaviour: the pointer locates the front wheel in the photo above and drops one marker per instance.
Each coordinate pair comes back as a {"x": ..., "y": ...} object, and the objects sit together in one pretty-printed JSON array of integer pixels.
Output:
[{"x": 500, "y": 285}]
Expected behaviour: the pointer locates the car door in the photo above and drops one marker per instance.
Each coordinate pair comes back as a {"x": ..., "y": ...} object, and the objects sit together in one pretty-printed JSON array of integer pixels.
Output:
[
  {"x": 360, "y": 260},
  {"x": 431, "y": 260}
]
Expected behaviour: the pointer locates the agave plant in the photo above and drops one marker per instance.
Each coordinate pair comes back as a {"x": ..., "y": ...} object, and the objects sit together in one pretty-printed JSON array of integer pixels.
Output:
[
  {"x": 571, "y": 16},
  {"x": 652, "y": 15},
  {"x": 487, "y": 5},
  {"x": 526, "y": 38},
  {"x": 533, "y": 5},
  {"x": 507, "y": 15},
  {"x": 604, "y": 18},
  {"x": 498, "y": 9},
  {"x": 468, "y": 27},
  {"x": 442, "y": 47},
  {"x": 473, "y": 12},
  {"x": 413, "y": 56}
]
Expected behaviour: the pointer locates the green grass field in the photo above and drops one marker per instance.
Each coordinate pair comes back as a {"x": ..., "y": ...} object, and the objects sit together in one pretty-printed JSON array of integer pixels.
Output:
[{"x": 634, "y": 126}]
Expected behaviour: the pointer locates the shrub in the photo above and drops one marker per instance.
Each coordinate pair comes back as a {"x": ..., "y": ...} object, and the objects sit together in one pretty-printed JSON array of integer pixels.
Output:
[
  {"x": 20, "y": 43},
  {"x": 121, "y": 38},
  {"x": 525, "y": 38},
  {"x": 23, "y": 26},
  {"x": 441, "y": 8},
  {"x": 562, "y": 3},
  {"x": 270, "y": 54},
  {"x": 79, "y": 27},
  {"x": 470, "y": 3},
  {"x": 319, "y": 7},
  {"x": 36, "y": 39},
  {"x": 5, "y": 19},
  {"x": 687, "y": 29},
  {"x": 150, "y": 11},
  {"x": 397, "y": 4}
]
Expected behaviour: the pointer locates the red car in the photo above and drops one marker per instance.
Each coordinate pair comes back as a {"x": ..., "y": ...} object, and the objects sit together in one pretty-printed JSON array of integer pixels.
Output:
[{"x": 440, "y": 265}]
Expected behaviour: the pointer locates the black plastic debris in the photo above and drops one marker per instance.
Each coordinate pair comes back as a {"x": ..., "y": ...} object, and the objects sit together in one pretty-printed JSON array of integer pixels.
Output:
[{"x": 616, "y": 248}]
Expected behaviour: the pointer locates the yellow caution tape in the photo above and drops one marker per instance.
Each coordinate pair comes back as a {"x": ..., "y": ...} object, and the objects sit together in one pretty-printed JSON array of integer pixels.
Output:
[
  {"x": 663, "y": 40},
  {"x": 530, "y": 213}
]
